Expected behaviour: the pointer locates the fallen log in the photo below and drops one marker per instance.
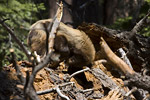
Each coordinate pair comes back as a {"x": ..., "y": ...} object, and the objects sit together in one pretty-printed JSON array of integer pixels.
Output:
[
  {"x": 134, "y": 78},
  {"x": 137, "y": 46}
]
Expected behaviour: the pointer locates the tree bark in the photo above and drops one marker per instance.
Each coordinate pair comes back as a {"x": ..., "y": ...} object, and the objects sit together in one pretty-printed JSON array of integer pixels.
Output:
[{"x": 136, "y": 45}]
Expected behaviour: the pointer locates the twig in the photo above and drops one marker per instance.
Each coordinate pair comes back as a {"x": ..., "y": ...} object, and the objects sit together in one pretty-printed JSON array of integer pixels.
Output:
[
  {"x": 53, "y": 89},
  {"x": 28, "y": 54},
  {"x": 25, "y": 86},
  {"x": 60, "y": 94},
  {"x": 65, "y": 84},
  {"x": 29, "y": 90},
  {"x": 130, "y": 92},
  {"x": 2, "y": 21},
  {"x": 113, "y": 95},
  {"x": 78, "y": 72},
  {"x": 87, "y": 90},
  {"x": 45, "y": 91},
  {"x": 40, "y": 66}
]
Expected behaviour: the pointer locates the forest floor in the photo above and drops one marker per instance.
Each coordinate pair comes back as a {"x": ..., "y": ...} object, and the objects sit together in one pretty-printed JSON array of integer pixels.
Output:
[{"x": 11, "y": 88}]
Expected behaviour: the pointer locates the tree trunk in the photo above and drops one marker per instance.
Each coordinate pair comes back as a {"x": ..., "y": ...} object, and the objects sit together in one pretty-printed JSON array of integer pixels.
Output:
[
  {"x": 98, "y": 11},
  {"x": 114, "y": 9}
]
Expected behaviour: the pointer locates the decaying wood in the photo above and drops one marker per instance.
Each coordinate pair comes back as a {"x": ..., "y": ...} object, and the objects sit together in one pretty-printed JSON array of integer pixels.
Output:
[
  {"x": 139, "y": 81},
  {"x": 113, "y": 95},
  {"x": 136, "y": 45},
  {"x": 106, "y": 81},
  {"x": 135, "y": 79}
]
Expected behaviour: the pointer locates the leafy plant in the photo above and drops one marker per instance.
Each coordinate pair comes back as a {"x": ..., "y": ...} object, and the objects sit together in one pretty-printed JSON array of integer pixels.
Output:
[
  {"x": 125, "y": 23},
  {"x": 21, "y": 14}
]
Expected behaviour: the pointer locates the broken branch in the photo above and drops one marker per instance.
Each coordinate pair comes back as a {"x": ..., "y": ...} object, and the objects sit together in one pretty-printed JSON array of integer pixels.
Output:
[
  {"x": 78, "y": 72},
  {"x": 60, "y": 94},
  {"x": 53, "y": 89},
  {"x": 124, "y": 57},
  {"x": 139, "y": 26},
  {"x": 54, "y": 26},
  {"x": 19, "y": 74},
  {"x": 28, "y": 54},
  {"x": 131, "y": 91},
  {"x": 114, "y": 59},
  {"x": 29, "y": 90}
]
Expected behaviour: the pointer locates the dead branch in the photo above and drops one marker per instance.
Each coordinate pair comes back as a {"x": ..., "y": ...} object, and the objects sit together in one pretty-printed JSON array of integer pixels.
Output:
[
  {"x": 136, "y": 45},
  {"x": 28, "y": 54},
  {"x": 139, "y": 81},
  {"x": 114, "y": 59},
  {"x": 106, "y": 81},
  {"x": 60, "y": 94},
  {"x": 130, "y": 92},
  {"x": 87, "y": 90},
  {"x": 54, "y": 78},
  {"x": 29, "y": 90},
  {"x": 78, "y": 72},
  {"x": 54, "y": 26},
  {"x": 10, "y": 41},
  {"x": 45, "y": 91},
  {"x": 141, "y": 24},
  {"x": 124, "y": 57},
  {"x": 135, "y": 79},
  {"x": 19, "y": 74},
  {"x": 53, "y": 89}
]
